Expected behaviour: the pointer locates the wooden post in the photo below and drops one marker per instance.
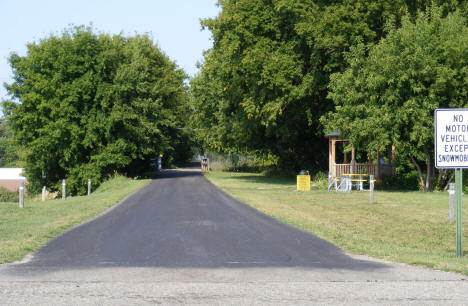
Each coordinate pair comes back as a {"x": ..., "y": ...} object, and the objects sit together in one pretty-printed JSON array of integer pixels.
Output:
[
  {"x": 89, "y": 187},
  {"x": 64, "y": 190},
  {"x": 371, "y": 189},
  {"x": 330, "y": 157},
  {"x": 333, "y": 156},
  {"x": 21, "y": 194},
  {"x": 352, "y": 167},
  {"x": 43, "y": 193}
]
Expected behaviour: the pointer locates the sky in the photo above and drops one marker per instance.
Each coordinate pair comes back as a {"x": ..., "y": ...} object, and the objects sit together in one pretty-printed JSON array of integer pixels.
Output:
[{"x": 173, "y": 24}]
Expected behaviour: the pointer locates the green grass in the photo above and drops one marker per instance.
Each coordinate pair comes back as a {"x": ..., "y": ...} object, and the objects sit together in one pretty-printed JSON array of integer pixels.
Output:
[
  {"x": 25, "y": 230},
  {"x": 408, "y": 227}
]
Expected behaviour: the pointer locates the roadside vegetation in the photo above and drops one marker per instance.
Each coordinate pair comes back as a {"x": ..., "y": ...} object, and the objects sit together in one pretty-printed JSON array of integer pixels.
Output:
[
  {"x": 86, "y": 105},
  {"x": 25, "y": 230},
  {"x": 409, "y": 227},
  {"x": 282, "y": 74}
]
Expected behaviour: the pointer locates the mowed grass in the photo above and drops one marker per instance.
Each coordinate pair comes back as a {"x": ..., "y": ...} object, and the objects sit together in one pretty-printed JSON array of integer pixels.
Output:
[
  {"x": 25, "y": 230},
  {"x": 408, "y": 227}
]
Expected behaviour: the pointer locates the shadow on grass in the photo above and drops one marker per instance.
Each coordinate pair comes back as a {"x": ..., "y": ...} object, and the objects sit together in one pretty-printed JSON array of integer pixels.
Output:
[
  {"x": 399, "y": 191},
  {"x": 264, "y": 179}
]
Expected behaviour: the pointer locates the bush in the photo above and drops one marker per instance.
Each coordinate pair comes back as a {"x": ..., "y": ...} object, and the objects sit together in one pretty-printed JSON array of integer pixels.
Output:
[
  {"x": 235, "y": 162},
  {"x": 320, "y": 180},
  {"x": 8, "y": 196},
  {"x": 401, "y": 181}
]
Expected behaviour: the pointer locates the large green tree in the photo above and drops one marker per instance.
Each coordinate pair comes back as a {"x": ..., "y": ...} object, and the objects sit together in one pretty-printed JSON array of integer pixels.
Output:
[
  {"x": 88, "y": 105},
  {"x": 264, "y": 84},
  {"x": 389, "y": 96},
  {"x": 9, "y": 152}
]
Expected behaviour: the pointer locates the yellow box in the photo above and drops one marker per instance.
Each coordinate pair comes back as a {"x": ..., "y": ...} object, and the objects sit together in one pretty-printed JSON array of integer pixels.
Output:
[{"x": 303, "y": 182}]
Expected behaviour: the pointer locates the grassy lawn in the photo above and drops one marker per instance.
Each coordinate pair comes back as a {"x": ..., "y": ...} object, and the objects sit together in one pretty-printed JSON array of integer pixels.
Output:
[
  {"x": 25, "y": 230},
  {"x": 408, "y": 227}
]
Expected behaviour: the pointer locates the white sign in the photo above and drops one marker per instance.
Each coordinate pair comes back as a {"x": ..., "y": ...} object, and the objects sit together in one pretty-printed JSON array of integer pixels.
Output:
[{"x": 451, "y": 137}]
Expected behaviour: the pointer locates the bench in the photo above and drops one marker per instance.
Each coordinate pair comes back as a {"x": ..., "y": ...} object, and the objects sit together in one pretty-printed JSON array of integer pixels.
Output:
[{"x": 345, "y": 182}]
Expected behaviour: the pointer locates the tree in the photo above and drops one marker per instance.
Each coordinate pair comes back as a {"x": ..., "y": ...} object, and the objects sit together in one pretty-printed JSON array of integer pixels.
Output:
[
  {"x": 9, "y": 152},
  {"x": 389, "y": 96},
  {"x": 263, "y": 86},
  {"x": 90, "y": 105}
]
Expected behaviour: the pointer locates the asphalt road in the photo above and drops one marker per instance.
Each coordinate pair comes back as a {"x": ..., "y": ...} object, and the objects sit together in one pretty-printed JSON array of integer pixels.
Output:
[{"x": 180, "y": 240}]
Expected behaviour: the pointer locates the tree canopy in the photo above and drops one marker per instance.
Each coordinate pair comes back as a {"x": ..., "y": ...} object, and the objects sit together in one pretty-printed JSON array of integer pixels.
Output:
[
  {"x": 263, "y": 87},
  {"x": 389, "y": 96},
  {"x": 279, "y": 74},
  {"x": 88, "y": 105}
]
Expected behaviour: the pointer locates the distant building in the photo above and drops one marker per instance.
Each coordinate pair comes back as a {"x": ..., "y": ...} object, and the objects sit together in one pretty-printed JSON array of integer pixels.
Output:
[{"x": 10, "y": 178}]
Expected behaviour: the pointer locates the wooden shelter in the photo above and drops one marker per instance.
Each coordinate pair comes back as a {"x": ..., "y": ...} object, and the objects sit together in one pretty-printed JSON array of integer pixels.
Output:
[{"x": 378, "y": 169}]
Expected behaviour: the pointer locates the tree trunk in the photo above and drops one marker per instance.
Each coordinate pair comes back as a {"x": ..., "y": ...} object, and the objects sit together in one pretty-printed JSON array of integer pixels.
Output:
[
  {"x": 430, "y": 173},
  {"x": 449, "y": 180},
  {"x": 420, "y": 173},
  {"x": 441, "y": 177}
]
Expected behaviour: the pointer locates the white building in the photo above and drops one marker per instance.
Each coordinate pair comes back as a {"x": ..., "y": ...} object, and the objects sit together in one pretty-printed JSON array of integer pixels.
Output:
[{"x": 11, "y": 178}]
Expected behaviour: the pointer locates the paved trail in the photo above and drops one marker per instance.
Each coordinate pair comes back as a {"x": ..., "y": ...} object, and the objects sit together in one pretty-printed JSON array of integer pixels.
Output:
[{"x": 182, "y": 241}]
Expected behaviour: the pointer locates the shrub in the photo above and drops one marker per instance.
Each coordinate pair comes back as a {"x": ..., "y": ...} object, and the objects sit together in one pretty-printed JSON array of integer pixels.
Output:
[
  {"x": 402, "y": 181},
  {"x": 8, "y": 196}
]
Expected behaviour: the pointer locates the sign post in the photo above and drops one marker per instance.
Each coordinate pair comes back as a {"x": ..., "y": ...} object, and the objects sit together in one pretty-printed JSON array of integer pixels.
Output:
[
  {"x": 451, "y": 152},
  {"x": 459, "y": 210},
  {"x": 451, "y": 214}
]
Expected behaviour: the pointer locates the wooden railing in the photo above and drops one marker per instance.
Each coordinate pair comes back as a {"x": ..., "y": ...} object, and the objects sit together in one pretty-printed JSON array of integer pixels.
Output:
[
  {"x": 370, "y": 169},
  {"x": 341, "y": 169}
]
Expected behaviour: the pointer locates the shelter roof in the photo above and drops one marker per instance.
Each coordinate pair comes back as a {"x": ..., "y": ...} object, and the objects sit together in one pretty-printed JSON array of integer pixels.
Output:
[{"x": 333, "y": 134}]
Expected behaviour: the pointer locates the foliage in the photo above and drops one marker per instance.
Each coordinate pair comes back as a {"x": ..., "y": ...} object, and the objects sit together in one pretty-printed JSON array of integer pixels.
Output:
[
  {"x": 93, "y": 104},
  {"x": 401, "y": 181},
  {"x": 8, "y": 196},
  {"x": 9, "y": 152},
  {"x": 237, "y": 162},
  {"x": 263, "y": 85},
  {"x": 320, "y": 181},
  {"x": 389, "y": 96}
]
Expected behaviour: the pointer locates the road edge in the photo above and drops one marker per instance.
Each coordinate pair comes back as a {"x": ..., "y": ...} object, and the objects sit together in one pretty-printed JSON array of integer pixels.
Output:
[{"x": 30, "y": 256}]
